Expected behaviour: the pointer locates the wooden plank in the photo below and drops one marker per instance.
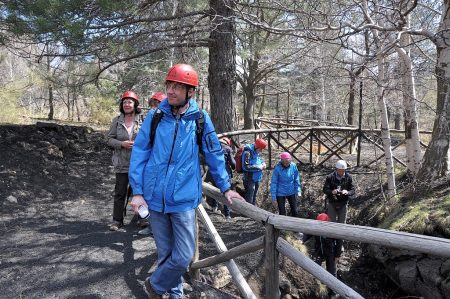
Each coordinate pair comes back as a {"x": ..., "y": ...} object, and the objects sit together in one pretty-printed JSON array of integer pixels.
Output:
[
  {"x": 365, "y": 234},
  {"x": 236, "y": 274},
  {"x": 240, "y": 206},
  {"x": 320, "y": 273},
  {"x": 271, "y": 263},
  {"x": 235, "y": 252}
]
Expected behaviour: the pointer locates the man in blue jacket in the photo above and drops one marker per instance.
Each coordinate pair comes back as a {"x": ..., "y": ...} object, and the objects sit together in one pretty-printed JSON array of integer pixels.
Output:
[{"x": 166, "y": 178}]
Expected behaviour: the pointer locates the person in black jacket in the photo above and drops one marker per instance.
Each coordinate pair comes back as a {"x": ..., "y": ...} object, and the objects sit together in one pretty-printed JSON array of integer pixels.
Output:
[
  {"x": 338, "y": 189},
  {"x": 230, "y": 165},
  {"x": 326, "y": 249}
]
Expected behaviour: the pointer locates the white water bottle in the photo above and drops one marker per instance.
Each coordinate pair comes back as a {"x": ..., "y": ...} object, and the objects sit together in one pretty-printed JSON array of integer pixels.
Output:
[{"x": 143, "y": 212}]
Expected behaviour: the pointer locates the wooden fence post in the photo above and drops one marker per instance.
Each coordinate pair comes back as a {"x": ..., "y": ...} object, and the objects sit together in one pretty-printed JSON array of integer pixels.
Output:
[{"x": 271, "y": 263}]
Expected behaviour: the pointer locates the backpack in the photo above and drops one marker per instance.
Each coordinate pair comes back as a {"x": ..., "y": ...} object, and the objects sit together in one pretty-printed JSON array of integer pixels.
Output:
[
  {"x": 238, "y": 159},
  {"x": 199, "y": 121}
]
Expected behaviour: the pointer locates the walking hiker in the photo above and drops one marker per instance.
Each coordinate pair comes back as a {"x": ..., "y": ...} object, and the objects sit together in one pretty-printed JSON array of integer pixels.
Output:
[
  {"x": 285, "y": 184},
  {"x": 230, "y": 164},
  {"x": 252, "y": 166},
  {"x": 120, "y": 137},
  {"x": 338, "y": 189},
  {"x": 326, "y": 249},
  {"x": 165, "y": 176}
]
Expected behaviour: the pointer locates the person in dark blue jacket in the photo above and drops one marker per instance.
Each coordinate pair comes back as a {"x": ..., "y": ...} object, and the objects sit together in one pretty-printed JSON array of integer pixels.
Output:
[
  {"x": 166, "y": 178},
  {"x": 328, "y": 250},
  {"x": 252, "y": 167},
  {"x": 230, "y": 164},
  {"x": 285, "y": 184}
]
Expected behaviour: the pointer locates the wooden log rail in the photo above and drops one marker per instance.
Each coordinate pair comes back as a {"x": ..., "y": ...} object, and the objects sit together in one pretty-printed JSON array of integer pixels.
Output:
[
  {"x": 323, "y": 141},
  {"x": 273, "y": 245}
]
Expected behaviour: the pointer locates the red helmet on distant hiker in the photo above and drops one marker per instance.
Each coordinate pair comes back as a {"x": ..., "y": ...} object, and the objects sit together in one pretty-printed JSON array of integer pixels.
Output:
[
  {"x": 129, "y": 94},
  {"x": 183, "y": 73},
  {"x": 159, "y": 96},
  {"x": 260, "y": 143},
  {"x": 225, "y": 140},
  {"x": 323, "y": 217}
]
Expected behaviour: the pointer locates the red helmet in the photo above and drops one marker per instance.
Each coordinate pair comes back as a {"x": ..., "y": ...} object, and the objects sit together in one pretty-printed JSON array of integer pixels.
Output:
[
  {"x": 323, "y": 217},
  {"x": 225, "y": 140},
  {"x": 183, "y": 73},
  {"x": 260, "y": 143},
  {"x": 129, "y": 94},
  {"x": 159, "y": 96}
]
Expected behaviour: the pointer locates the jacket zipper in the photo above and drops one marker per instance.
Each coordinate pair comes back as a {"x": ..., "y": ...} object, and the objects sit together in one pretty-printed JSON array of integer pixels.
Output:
[{"x": 171, "y": 152}]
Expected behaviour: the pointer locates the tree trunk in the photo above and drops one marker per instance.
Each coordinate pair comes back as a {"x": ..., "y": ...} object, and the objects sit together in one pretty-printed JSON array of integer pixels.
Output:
[
  {"x": 436, "y": 159},
  {"x": 50, "y": 94},
  {"x": 222, "y": 65},
  {"x": 412, "y": 137},
  {"x": 385, "y": 134},
  {"x": 249, "y": 118},
  {"x": 351, "y": 100}
]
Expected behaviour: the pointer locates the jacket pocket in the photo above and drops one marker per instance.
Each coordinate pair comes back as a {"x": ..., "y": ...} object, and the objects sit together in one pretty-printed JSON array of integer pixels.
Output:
[
  {"x": 150, "y": 178},
  {"x": 186, "y": 185}
]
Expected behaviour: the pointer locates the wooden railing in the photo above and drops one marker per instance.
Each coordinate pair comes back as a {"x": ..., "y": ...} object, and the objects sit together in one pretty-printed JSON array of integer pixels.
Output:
[
  {"x": 316, "y": 146},
  {"x": 273, "y": 245}
]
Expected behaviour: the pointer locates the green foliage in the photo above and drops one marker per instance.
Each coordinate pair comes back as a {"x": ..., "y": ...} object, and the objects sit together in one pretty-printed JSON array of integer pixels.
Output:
[
  {"x": 426, "y": 216},
  {"x": 103, "y": 109},
  {"x": 11, "y": 112}
]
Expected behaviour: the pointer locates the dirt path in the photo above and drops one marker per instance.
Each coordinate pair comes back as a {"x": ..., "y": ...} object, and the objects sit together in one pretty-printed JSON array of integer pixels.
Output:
[{"x": 56, "y": 187}]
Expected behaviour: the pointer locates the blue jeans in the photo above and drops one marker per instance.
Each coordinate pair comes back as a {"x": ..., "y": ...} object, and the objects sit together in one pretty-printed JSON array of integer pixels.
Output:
[
  {"x": 251, "y": 188},
  {"x": 174, "y": 236}
]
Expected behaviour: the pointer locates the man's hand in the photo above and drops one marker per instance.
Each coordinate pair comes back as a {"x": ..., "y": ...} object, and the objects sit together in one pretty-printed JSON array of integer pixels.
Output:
[
  {"x": 230, "y": 195},
  {"x": 344, "y": 192},
  {"x": 137, "y": 201},
  {"x": 334, "y": 192}
]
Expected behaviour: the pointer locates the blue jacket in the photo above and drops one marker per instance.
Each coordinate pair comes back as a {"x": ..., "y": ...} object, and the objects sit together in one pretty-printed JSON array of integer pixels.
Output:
[
  {"x": 250, "y": 160},
  {"x": 285, "y": 181},
  {"x": 168, "y": 175}
]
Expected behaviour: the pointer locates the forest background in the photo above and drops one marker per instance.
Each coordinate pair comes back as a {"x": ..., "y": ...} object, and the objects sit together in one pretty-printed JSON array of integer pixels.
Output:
[{"x": 373, "y": 64}]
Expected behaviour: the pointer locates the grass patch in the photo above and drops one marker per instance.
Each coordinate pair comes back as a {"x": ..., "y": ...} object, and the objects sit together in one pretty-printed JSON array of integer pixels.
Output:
[{"x": 426, "y": 216}]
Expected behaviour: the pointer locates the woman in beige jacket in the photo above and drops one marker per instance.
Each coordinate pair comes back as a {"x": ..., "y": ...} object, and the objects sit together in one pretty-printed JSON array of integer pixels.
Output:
[{"x": 121, "y": 135}]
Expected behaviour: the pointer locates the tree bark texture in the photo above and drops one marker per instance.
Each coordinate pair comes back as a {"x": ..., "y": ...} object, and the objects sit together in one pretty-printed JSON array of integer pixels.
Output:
[
  {"x": 222, "y": 66},
  {"x": 385, "y": 133},
  {"x": 436, "y": 159}
]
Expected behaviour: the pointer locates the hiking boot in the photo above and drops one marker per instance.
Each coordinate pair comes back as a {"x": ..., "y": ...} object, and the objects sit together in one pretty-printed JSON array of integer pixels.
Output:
[
  {"x": 115, "y": 226},
  {"x": 214, "y": 210},
  {"x": 146, "y": 231},
  {"x": 150, "y": 291},
  {"x": 228, "y": 218}
]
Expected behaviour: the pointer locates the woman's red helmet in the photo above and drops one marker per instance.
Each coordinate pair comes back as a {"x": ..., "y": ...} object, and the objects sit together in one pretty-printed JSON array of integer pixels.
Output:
[
  {"x": 129, "y": 94},
  {"x": 183, "y": 73},
  {"x": 260, "y": 143},
  {"x": 226, "y": 140}
]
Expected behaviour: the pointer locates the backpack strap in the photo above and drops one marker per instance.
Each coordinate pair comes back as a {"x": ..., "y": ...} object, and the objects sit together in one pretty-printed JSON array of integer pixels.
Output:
[
  {"x": 200, "y": 124},
  {"x": 199, "y": 121},
  {"x": 154, "y": 125}
]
